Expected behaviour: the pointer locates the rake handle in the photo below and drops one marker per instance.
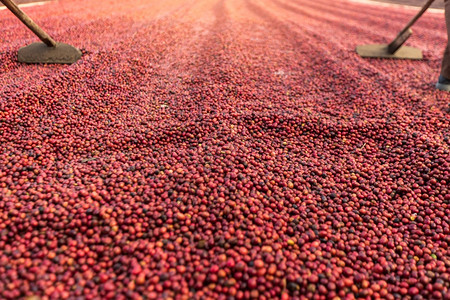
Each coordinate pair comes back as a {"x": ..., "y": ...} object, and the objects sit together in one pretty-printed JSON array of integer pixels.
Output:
[
  {"x": 419, "y": 14},
  {"x": 406, "y": 32},
  {"x": 29, "y": 23}
]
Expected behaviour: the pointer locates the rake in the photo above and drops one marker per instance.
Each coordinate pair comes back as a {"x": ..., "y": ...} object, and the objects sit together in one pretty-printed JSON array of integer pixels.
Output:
[
  {"x": 49, "y": 51},
  {"x": 395, "y": 49}
]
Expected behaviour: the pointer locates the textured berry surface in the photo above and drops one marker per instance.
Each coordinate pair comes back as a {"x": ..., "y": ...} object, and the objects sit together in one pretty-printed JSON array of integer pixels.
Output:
[{"x": 223, "y": 149}]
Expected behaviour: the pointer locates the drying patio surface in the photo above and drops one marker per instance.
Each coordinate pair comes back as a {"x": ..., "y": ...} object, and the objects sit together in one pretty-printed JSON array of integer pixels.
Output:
[
  {"x": 436, "y": 4},
  {"x": 223, "y": 149},
  {"x": 439, "y": 4}
]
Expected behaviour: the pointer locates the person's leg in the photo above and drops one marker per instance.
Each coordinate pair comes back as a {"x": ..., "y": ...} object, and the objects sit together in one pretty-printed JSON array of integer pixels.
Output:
[
  {"x": 444, "y": 79},
  {"x": 445, "y": 71}
]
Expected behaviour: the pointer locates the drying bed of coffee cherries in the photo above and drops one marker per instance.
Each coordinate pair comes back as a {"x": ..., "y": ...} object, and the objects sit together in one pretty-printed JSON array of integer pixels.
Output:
[{"x": 234, "y": 149}]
